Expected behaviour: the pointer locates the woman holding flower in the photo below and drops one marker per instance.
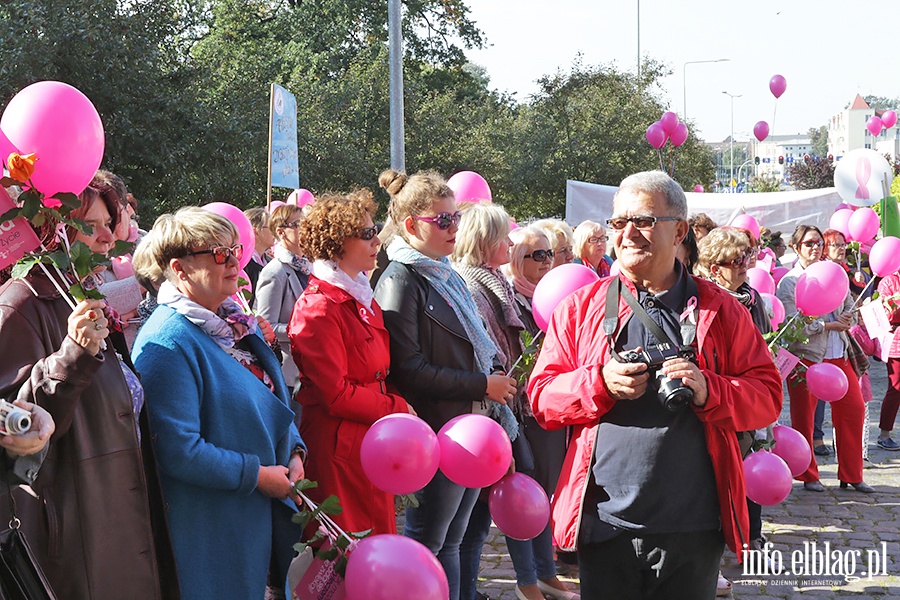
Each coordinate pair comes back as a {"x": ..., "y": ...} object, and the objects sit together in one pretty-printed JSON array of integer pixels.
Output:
[
  {"x": 99, "y": 526},
  {"x": 223, "y": 430}
]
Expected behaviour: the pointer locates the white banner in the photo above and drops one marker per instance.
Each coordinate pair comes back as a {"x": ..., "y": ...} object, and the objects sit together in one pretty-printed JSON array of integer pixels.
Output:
[{"x": 779, "y": 211}]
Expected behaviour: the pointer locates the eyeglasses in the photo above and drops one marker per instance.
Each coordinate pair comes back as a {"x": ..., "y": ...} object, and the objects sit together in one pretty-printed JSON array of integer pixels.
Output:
[
  {"x": 540, "y": 255},
  {"x": 741, "y": 261},
  {"x": 838, "y": 246},
  {"x": 442, "y": 220},
  {"x": 221, "y": 254},
  {"x": 813, "y": 244},
  {"x": 597, "y": 240},
  {"x": 642, "y": 222},
  {"x": 292, "y": 225},
  {"x": 367, "y": 233}
]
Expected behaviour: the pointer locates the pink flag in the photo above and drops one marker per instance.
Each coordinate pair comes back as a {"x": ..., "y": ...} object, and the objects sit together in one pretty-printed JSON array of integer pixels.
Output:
[{"x": 17, "y": 238}]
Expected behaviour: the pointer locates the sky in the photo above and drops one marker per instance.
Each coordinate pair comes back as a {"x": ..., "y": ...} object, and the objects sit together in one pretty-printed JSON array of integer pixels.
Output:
[{"x": 827, "y": 50}]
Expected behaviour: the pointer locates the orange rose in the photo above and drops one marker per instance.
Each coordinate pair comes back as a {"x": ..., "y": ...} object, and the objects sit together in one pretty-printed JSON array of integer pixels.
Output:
[{"x": 21, "y": 168}]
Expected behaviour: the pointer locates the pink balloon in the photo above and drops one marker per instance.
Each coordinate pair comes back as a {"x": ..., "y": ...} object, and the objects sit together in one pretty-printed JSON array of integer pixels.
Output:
[
  {"x": 275, "y": 204},
  {"x": 669, "y": 122},
  {"x": 59, "y": 124},
  {"x": 519, "y": 506},
  {"x": 863, "y": 224},
  {"x": 840, "y": 220},
  {"x": 760, "y": 280},
  {"x": 513, "y": 225},
  {"x": 656, "y": 135},
  {"x": 387, "y": 567},
  {"x": 400, "y": 453},
  {"x": 768, "y": 478},
  {"x": 778, "y": 273},
  {"x": 874, "y": 125},
  {"x": 556, "y": 285},
  {"x": 300, "y": 198},
  {"x": 884, "y": 259},
  {"x": 246, "y": 235},
  {"x": 680, "y": 135},
  {"x": 778, "y": 312},
  {"x": 699, "y": 189},
  {"x": 469, "y": 186},
  {"x": 821, "y": 288},
  {"x": 748, "y": 222},
  {"x": 133, "y": 232},
  {"x": 614, "y": 268},
  {"x": 827, "y": 381},
  {"x": 777, "y": 85},
  {"x": 889, "y": 119},
  {"x": 761, "y": 130},
  {"x": 475, "y": 451},
  {"x": 121, "y": 266},
  {"x": 843, "y": 205},
  {"x": 6, "y": 148},
  {"x": 243, "y": 286},
  {"x": 793, "y": 449}
]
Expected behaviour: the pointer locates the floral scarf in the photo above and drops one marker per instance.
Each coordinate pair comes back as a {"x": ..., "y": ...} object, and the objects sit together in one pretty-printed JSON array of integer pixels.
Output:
[
  {"x": 227, "y": 326},
  {"x": 298, "y": 263}
]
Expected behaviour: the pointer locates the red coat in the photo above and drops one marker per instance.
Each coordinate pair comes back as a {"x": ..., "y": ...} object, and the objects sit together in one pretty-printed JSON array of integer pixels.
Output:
[
  {"x": 567, "y": 388},
  {"x": 342, "y": 351}
]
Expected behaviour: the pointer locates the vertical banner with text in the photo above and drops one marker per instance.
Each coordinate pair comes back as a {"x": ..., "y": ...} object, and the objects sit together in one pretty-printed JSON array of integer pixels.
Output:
[{"x": 283, "y": 168}]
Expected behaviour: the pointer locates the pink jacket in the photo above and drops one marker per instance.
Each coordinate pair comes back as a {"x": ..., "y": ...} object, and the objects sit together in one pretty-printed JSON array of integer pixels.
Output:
[
  {"x": 567, "y": 389},
  {"x": 890, "y": 286}
]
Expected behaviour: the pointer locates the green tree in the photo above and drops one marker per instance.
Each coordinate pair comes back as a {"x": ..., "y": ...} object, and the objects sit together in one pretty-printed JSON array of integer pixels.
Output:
[{"x": 819, "y": 138}]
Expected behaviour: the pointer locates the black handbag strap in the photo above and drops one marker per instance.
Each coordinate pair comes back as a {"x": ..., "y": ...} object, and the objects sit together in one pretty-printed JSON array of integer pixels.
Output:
[{"x": 13, "y": 519}]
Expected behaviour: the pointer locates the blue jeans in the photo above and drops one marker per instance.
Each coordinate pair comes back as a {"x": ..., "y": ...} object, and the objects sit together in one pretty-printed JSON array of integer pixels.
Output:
[
  {"x": 470, "y": 550},
  {"x": 532, "y": 559},
  {"x": 440, "y": 522}
]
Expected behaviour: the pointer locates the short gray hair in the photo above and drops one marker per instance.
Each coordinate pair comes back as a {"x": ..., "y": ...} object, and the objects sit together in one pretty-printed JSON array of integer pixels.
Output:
[{"x": 657, "y": 182}]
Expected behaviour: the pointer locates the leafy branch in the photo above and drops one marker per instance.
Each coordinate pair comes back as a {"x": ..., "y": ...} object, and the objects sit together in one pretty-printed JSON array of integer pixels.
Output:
[{"x": 522, "y": 368}]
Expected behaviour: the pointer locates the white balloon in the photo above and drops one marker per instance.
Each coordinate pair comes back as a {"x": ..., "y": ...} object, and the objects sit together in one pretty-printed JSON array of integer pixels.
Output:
[{"x": 859, "y": 177}]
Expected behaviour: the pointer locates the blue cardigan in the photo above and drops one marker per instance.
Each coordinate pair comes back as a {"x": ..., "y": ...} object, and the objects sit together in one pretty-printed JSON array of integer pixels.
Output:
[{"x": 214, "y": 423}]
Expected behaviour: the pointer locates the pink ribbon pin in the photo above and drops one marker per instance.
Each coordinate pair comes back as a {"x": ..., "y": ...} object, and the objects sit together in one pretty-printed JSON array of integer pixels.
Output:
[
  {"x": 863, "y": 172},
  {"x": 689, "y": 310}
]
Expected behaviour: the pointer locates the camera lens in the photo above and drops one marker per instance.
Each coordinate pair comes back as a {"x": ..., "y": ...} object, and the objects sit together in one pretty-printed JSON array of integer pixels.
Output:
[
  {"x": 18, "y": 421},
  {"x": 673, "y": 394}
]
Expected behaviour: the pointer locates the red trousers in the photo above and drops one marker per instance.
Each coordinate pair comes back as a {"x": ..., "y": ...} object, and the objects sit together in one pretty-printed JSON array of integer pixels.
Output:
[
  {"x": 848, "y": 415},
  {"x": 891, "y": 401}
]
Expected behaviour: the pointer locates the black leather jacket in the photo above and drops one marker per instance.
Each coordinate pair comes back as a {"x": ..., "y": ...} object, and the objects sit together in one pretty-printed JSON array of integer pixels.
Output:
[{"x": 432, "y": 360}]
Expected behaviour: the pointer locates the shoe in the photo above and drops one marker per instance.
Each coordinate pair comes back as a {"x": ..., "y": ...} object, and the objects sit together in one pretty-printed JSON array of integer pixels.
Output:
[
  {"x": 813, "y": 486},
  {"x": 723, "y": 586},
  {"x": 888, "y": 444},
  {"x": 862, "y": 486},
  {"x": 481, "y": 596},
  {"x": 822, "y": 450},
  {"x": 556, "y": 594}
]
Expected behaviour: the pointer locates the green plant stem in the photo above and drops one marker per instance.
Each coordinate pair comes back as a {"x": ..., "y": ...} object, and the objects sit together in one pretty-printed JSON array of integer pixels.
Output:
[
  {"x": 783, "y": 329},
  {"x": 530, "y": 344}
]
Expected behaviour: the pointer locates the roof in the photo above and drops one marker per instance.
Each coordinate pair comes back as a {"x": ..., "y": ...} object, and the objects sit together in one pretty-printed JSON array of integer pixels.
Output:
[{"x": 859, "y": 103}]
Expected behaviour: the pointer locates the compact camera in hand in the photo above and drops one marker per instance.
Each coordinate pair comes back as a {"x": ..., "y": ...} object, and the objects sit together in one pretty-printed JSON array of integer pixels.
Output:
[
  {"x": 13, "y": 420},
  {"x": 671, "y": 393}
]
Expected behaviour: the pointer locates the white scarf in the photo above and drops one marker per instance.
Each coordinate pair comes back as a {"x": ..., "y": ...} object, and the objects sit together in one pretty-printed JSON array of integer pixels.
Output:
[{"x": 359, "y": 288}]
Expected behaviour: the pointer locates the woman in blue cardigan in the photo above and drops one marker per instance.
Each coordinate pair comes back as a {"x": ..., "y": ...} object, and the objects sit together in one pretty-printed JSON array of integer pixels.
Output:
[{"x": 223, "y": 430}]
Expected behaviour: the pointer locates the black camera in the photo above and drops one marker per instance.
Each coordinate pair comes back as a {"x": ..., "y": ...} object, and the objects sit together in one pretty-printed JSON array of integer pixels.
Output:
[{"x": 671, "y": 393}]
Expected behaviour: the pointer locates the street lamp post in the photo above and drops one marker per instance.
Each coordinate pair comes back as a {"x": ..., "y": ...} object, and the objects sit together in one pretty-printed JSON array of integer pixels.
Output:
[
  {"x": 732, "y": 96},
  {"x": 684, "y": 81},
  {"x": 639, "y": 40}
]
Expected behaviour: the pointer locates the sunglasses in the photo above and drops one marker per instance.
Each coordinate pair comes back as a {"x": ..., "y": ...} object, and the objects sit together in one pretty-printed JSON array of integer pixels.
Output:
[
  {"x": 838, "y": 246},
  {"x": 221, "y": 254},
  {"x": 367, "y": 233},
  {"x": 292, "y": 225},
  {"x": 813, "y": 244},
  {"x": 597, "y": 240},
  {"x": 642, "y": 222},
  {"x": 741, "y": 261},
  {"x": 540, "y": 255},
  {"x": 443, "y": 220}
]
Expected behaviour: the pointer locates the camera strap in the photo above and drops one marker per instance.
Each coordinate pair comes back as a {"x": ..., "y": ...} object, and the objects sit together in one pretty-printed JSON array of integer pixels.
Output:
[{"x": 611, "y": 316}]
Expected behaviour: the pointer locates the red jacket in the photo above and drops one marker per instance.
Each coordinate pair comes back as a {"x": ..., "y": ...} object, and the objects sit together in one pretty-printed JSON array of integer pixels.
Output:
[
  {"x": 342, "y": 351},
  {"x": 567, "y": 389}
]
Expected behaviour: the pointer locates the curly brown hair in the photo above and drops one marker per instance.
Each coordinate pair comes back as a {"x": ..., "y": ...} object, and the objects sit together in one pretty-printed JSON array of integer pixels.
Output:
[{"x": 333, "y": 219}]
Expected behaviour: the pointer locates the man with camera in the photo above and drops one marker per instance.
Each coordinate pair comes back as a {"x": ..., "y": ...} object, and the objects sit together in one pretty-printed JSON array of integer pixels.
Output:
[{"x": 656, "y": 372}]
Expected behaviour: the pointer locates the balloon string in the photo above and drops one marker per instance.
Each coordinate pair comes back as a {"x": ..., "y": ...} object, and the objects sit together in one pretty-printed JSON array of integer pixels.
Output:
[
  {"x": 864, "y": 290},
  {"x": 783, "y": 329},
  {"x": 774, "y": 112},
  {"x": 332, "y": 527},
  {"x": 674, "y": 156},
  {"x": 659, "y": 153},
  {"x": 530, "y": 344}
]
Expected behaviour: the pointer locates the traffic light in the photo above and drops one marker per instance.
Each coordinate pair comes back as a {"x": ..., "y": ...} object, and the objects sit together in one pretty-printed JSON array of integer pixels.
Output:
[
  {"x": 780, "y": 160},
  {"x": 757, "y": 160}
]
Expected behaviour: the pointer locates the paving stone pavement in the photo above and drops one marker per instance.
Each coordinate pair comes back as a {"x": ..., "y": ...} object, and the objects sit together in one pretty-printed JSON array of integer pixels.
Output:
[{"x": 855, "y": 526}]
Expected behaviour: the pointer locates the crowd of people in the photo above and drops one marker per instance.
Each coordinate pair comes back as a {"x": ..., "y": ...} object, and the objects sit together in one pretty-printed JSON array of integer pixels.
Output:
[{"x": 170, "y": 422}]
